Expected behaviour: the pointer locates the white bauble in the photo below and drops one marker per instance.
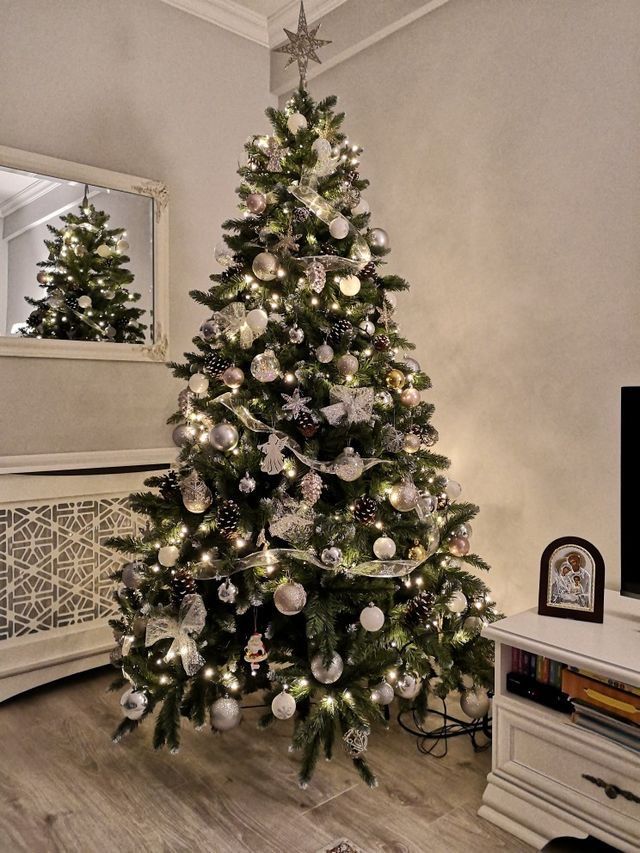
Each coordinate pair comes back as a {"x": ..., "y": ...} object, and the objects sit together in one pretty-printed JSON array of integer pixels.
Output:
[
  {"x": 183, "y": 435},
  {"x": 404, "y": 496},
  {"x": 339, "y": 228},
  {"x": 453, "y": 490},
  {"x": 350, "y": 285},
  {"x": 327, "y": 674},
  {"x": 324, "y": 353},
  {"x": 321, "y": 148},
  {"x": 283, "y": 706},
  {"x": 134, "y": 703},
  {"x": 225, "y": 714},
  {"x": 382, "y": 693},
  {"x": 199, "y": 383},
  {"x": 408, "y": 686},
  {"x": 257, "y": 320},
  {"x": 296, "y": 122},
  {"x": 103, "y": 251},
  {"x": 122, "y": 246},
  {"x": 457, "y": 602},
  {"x": 384, "y": 548},
  {"x": 290, "y": 598},
  {"x": 168, "y": 555},
  {"x": 265, "y": 266},
  {"x": 84, "y": 302},
  {"x": 372, "y": 618},
  {"x": 361, "y": 207},
  {"x": 475, "y": 703}
]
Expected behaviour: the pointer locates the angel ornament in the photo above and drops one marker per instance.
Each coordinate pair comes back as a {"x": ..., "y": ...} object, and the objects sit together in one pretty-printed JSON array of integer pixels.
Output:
[{"x": 273, "y": 461}]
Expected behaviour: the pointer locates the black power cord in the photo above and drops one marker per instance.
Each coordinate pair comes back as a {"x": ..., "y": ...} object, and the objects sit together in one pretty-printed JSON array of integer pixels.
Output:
[{"x": 435, "y": 741}]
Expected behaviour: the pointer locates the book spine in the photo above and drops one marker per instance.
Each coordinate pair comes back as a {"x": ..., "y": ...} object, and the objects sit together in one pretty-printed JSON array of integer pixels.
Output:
[
  {"x": 539, "y": 669},
  {"x": 533, "y": 660},
  {"x": 515, "y": 659}
]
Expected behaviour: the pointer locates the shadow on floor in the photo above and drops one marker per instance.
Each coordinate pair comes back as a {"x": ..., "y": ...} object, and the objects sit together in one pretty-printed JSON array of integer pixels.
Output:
[{"x": 578, "y": 845}]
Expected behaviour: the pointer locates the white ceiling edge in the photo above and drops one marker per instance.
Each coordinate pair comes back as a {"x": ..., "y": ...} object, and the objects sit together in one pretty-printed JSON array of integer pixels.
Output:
[{"x": 288, "y": 17}]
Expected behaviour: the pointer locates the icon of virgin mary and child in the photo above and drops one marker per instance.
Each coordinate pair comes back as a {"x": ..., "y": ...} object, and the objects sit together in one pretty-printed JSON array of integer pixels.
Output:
[{"x": 571, "y": 583}]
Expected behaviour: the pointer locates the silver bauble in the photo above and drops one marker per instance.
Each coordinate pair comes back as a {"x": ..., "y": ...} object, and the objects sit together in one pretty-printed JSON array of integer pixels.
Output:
[
  {"x": 453, "y": 490},
  {"x": 223, "y": 437},
  {"x": 265, "y": 266},
  {"x": 384, "y": 548},
  {"x": 382, "y": 693},
  {"x": 457, "y": 602},
  {"x": 339, "y": 228},
  {"x": 367, "y": 328},
  {"x": 247, "y": 484},
  {"x": 227, "y": 592},
  {"x": 283, "y": 706},
  {"x": 257, "y": 320},
  {"x": 290, "y": 598},
  {"x": 327, "y": 674},
  {"x": 134, "y": 703},
  {"x": 408, "y": 686},
  {"x": 331, "y": 556},
  {"x": 475, "y": 703},
  {"x": 296, "y": 335},
  {"x": 225, "y": 714},
  {"x": 223, "y": 254},
  {"x": 168, "y": 555},
  {"x": 265, "y": 367},
  {"x": 110, "y": 331},
  {"x": 256, "y": 203},
  {"x": 196, "y": 495},
  {"x": 411, "y": 443},
  {"x": 459, "y": 546},
  {"x": 84, "y": 302},
  {"x": 183, "y": 435},
  {"x": 233, "y": 377},
  {"x": 324, "y": 353},
  {"x": 410, "y": 397},
  {"x": 472, "y": 624},
  {"x": 427, "y": 504},
  {"x": 132, "y": 575},
  {"x": 349, "y": 465},
  {"x": 404, "y": 496},
  {"x": 199, "y": 383},
  {"x": 347, "y": 365},
  {"x": 379, "y": 238},
  {"x": 411, "y": 365},
  {"x": 372, "y": 618}
]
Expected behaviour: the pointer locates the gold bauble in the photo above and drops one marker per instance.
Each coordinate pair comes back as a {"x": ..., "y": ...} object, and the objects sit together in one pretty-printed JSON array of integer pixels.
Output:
[
  {"x": 395, "y": 379},
  {"x": 418, "y": 553}
]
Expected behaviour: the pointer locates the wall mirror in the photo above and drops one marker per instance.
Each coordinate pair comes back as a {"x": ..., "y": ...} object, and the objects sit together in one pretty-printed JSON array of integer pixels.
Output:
[{"x": 83, "y": 261}]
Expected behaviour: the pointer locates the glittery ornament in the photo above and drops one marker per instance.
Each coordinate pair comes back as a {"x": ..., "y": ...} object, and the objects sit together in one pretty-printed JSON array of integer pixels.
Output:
[
  {"x": 382, "y": 693},
  {"x": 411, "y": 365},
  {"x": 290, "y": 598},
  {"x": 296, "y": 335},
  {"x": 227, "y": 592},
  {"x": 411, "y": 443},
  {"x": 327, "y": 674},
  {"x": 403, "y": 496},
  {"x": 311, "y": 487},
  {"x": 347, "y": 365},
  {"x": 395, "y": 379},
  {"x": 265, "y": 266},
  {"x": 417, "y": 552},
  {"x": 265, "y": 367},
  {"x": 225, "y": 714},
  {"x": 355, "y": 742},
  {"x": 365, "y": 509},
  {"x": 247, "y": 484},
  {"x": 132, "y": 575},
  {"x": 209, "y": 330},
  {"x": 168, "y": 555},
  {"x": 384, "y": 548},
  {"x": 324, "y": 353},
  {"x": 384, "y": 399},
  {"x": 331, "y": 556},
  {"x": 349, "y": 465},
  {"x": 339, "y": 228},
  {"x": 296, "y": 122},
  {"x": 283, "y": 706},
  {"x": 295, "y": 404},
  {"x": 301, "y": 214},
  {"x": 317, "y": 276},
  {"x": 475, "y": 703},
  {"x": 196, "y": 495},
  {"x": 185, "y": 402}
]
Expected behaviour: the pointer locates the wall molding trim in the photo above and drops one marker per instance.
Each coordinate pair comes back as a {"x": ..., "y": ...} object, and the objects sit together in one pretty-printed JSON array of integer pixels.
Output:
[
  {"x": 88, "y": 459},
  {"x": 228, "y": 16}
]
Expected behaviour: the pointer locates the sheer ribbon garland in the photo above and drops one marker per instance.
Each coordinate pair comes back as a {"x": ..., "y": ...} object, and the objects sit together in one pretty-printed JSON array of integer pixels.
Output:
[{"x": 189, "y": 624}]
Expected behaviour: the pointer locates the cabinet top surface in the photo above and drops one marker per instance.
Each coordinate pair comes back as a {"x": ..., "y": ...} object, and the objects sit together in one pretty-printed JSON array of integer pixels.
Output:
[{"x": 612, "y": 647}]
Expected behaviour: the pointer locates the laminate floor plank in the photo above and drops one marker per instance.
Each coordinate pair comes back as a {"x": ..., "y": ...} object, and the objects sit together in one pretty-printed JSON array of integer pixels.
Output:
[{"x": 66, "y": 788}]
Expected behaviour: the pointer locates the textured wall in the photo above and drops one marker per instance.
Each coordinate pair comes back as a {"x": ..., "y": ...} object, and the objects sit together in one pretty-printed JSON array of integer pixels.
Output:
[
  {"x": 145, "y": 89},
  {"x": 502, "y": 138}
]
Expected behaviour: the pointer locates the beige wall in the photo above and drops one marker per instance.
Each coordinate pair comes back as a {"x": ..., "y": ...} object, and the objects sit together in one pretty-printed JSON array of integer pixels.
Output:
[
  {"x": 141, "y": 88},
  {"x": 502, "y": 139}
]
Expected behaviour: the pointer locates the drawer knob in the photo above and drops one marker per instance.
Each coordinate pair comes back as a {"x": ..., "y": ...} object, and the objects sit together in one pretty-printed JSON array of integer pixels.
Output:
[{"x": 612, "y": 791}]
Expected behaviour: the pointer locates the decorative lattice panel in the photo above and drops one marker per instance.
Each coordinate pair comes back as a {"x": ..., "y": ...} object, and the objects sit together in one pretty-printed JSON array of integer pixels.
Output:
[{"x": 54, "y": 565}]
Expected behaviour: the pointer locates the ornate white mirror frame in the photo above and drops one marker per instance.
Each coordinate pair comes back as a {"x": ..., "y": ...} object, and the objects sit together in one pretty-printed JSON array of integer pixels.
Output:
[{"x": 14, "y": 158}]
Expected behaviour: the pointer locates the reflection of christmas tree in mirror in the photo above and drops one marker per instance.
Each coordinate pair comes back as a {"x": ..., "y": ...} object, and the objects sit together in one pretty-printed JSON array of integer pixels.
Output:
[
  {"x": 86, "y": 283},
  {"x": 330, "y": 550}
]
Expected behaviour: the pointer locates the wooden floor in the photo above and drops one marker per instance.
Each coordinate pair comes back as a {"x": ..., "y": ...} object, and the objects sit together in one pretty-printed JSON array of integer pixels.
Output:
[{"x": 64, "y": 786}]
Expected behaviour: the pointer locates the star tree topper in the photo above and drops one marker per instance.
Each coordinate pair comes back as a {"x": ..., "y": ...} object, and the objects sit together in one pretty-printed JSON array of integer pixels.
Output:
[{"x": 302, "y": 46}]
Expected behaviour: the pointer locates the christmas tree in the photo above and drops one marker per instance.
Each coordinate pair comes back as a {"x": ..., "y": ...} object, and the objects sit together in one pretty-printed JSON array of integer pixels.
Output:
[
  {"x": 307, "y": 544},
  {"x": 86, "y": 283}
]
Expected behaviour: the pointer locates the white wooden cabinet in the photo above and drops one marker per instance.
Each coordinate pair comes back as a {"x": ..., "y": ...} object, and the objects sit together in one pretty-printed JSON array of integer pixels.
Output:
[{"x": 538, "y": 787}]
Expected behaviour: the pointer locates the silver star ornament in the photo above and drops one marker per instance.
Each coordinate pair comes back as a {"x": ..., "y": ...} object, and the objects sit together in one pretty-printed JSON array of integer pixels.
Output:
[{"x": 302, "y": 46}]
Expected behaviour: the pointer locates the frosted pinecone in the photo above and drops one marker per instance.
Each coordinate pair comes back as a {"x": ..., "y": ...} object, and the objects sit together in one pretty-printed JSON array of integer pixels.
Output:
[
  {"x": 311, "y": 487},
  {"x": 317, "y": 276}
]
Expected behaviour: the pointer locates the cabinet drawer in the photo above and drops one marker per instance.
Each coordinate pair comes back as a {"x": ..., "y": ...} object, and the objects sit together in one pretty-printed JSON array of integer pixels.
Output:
[{"x": 565, "y": 764}]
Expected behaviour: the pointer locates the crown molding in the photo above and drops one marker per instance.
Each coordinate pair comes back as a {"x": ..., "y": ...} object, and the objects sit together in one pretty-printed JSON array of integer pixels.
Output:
[
  {"x": 35, "y": 190},
  {"x": 227, "y": 15}
]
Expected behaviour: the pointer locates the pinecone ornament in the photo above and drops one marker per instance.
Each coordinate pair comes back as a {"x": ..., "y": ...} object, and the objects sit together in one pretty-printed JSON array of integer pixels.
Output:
[
  {"x": 365, "y": 510},
  {"x": 306, "y": 423},
  {"x": 341, "y": 332},
  {"x": 420, "y": 607},
  {"x": 311, "y": 487},
  {"x": 182, "y": 583},
  {"x": 301, "y": 214},
  {"x": 170, "y": 486},
  {"x": 71, "y": 302},
  {"x": 369, "y": 270},
  {"x": 316, "y": 276},
  {"x": 381, "y": 343},
  {"x": 228, "y": 517},
  {"x": 215, "y": 364},
  {"x": 443, "y": 501}
]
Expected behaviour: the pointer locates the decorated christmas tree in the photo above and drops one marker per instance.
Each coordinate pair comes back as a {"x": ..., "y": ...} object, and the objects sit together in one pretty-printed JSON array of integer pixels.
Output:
[
  {"x": 308, "y": 543},
  {"x": 86, "y": 283}
]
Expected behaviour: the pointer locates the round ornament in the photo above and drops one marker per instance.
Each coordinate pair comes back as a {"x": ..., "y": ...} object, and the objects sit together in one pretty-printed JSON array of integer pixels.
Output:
[
  {"x": 196, "y": 496},
  {"x": 225, "y": 714},
  {"x": 324, "y": 353},
  {"x": 339, "y": 228},
  {"x": 382, "y": 693},
  {"x": 365, "y": 509},
  {"x": 457, "y": 602},
  {"x": 223, "y": 254},
  {"x": 349, "y": 465},
  {"x": 42, "y": 277},
  {"x": 122, "y": 246},
  {"x": 327, "y": 674},
  {"x": 408, "y": 686},
  {"x": 331, "y": 556},
  {"x": 131, "y": 575},
  {"x": 472, "y": 624},
  {"x": 350, "y": 285},
  {"x": 110, "y": 331},
  {"x": 233, "y": 377},
  {"x": 321, "y": 148},
  {"x": 296, "y": 335},
  {"x": 199, "y": 383},
  {"x": 411, "y": 443},
  {"x": 223, "y": 437},
  {"x": 168, "y": 555},
  {"x": 372, "y": 618},
  {"x": 265, "y": 367},
  {"x": 384, "y": 399},
  {"x": 403, "y": 496},
  {"x": 384, "y": 548},
  {"x": 84, "y": 302},
  {"x": 296, "y": 122},
  {"x": 265, "y": 266},
  {"x": 134, "y": 703},
  {"x": 395, "y": 379},
  {"x": 290, "y": 598},
  {"x": 453, "y": 490},
  {"x": 256, "y": 203},
  {"x": 475, "y": 703},
  {"x": 459, "y": 546},
  {"x": 367, "y": 328},
  {"x": 227, "y": 592},
  {"x": 183, "y": 435},
  {"x": 417, "y": 552},
  {"x": 103, "y": 251},
  {"x": 247, "y": 484},
  {"x": 411, "y": 365},
  {"x": 427, "y": 503},
  {"x": 378, "y": 238},
  {"x": 257, "y": 320},
  {"x": 347, "y": 365},
  {"x": 410, "y": 397},
  {"x": 283, "y": 706},
  {"x": 361, "y": 207}
]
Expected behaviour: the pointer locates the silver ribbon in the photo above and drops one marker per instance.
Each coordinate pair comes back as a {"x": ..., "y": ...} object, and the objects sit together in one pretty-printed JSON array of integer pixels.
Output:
[
  {"x": 233, "y": 319},
  {"x": 182, "y": 630},
  {"x": 353, "y": 404},
  {"x": 248, "y": 420}
]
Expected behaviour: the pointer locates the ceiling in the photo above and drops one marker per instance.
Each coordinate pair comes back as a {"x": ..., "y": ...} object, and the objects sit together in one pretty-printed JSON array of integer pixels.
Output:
[
  {"x": 266, "y": 8},
  {"x": 20, "y": 188}
]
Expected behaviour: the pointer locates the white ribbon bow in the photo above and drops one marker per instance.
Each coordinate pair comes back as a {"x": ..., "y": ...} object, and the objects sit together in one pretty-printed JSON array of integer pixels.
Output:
[
  {"x": 353, "y": 404},
  {"x": 188, "y": 625},
  {"x": 233, "y": 319}
]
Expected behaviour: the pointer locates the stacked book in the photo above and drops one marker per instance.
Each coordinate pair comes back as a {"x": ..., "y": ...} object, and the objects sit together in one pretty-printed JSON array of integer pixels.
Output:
[
  {"x": 537, "y": 678},
  {"x": 604, "y": 706}
]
